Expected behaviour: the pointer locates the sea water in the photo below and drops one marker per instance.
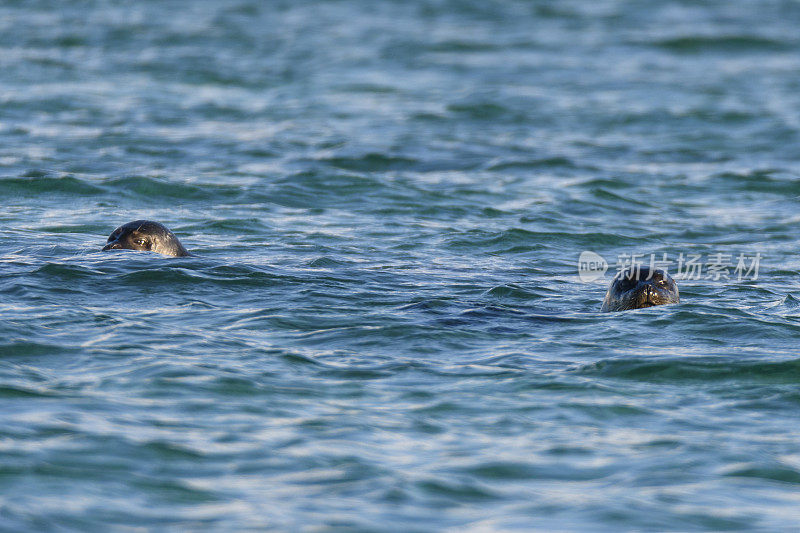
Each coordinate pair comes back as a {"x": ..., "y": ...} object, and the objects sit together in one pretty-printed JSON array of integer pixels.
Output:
[{"x": 385, "y": 327}]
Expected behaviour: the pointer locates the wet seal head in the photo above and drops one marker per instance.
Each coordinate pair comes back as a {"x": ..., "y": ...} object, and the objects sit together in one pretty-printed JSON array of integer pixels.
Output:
[
  {"x": 636, "y": 287},
  {"x": 146, "y": 236}
]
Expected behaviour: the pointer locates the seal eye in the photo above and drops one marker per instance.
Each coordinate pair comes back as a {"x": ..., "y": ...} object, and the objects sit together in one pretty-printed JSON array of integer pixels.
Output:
[{"x": 140, "y": 242}]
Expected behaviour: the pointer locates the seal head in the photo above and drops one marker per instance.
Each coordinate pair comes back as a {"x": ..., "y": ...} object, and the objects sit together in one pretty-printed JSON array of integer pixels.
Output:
[
  {"x": 636, "y": 287},
  {"x": 146, "y": 236}
]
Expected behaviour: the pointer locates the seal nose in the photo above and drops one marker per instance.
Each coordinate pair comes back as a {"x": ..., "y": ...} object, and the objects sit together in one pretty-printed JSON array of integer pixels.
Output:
[
  {"x": 650, "y": 292},
  {"x": 111, "y": 246}
]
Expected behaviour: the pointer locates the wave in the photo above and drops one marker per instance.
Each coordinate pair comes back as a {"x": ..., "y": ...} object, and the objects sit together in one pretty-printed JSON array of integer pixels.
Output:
[
  {"x": 723, "y": 43},
  {"x": 696, "y": 369}
]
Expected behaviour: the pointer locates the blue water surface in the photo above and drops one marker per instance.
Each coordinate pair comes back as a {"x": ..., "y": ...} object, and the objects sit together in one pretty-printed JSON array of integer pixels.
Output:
[{"x": 383, "y": 328}]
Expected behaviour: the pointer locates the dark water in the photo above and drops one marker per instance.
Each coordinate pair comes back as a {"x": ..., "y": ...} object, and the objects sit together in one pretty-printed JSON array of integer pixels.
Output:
[{"x": 384, "y": 328}]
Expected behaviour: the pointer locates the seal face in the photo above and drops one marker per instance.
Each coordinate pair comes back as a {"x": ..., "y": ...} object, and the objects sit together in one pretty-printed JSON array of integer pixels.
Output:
[
  {"x": 636, "y": 287},
  {"x": 146, "y": 236}
]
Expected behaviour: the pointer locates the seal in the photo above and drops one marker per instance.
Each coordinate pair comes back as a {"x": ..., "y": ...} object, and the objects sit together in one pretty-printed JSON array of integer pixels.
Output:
[
  {"x": 146, "y": 236},
  {"x": 636, "y": 287}
]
